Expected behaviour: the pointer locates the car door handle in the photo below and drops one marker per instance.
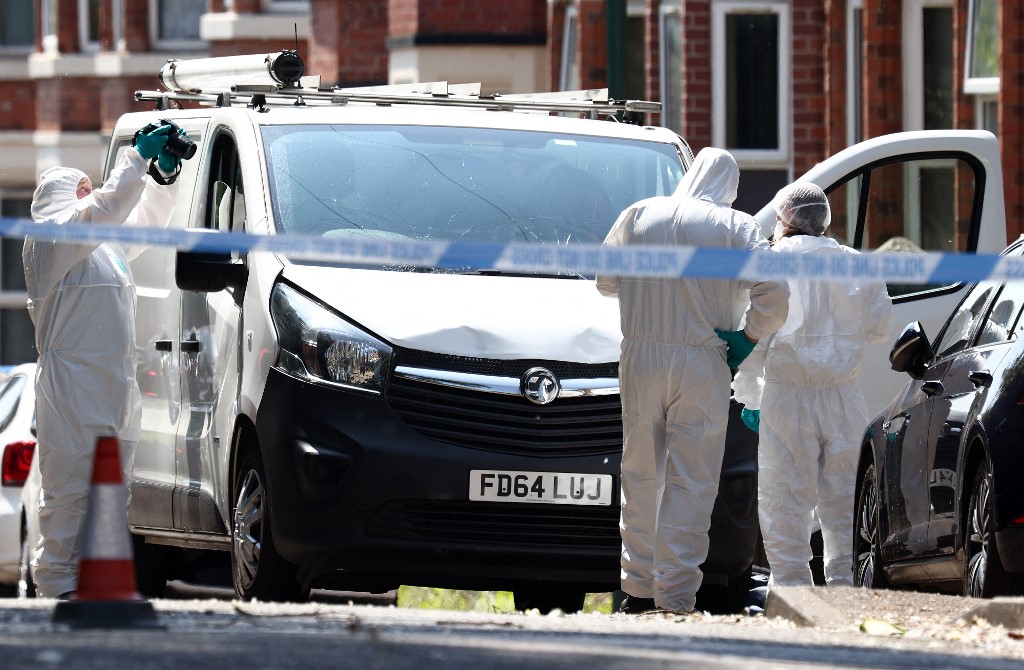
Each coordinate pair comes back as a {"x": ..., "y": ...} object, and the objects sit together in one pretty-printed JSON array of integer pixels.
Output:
[
  {"x": 931, "y": 389},
  {"x": 191, "y": 346},
  {"x": 163, "y": 345},
  {"x": 981, "y": 378}
]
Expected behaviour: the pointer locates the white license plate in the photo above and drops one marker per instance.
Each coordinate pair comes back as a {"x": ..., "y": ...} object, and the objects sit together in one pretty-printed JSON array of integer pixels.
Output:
[{"x": 558, "y": 488}]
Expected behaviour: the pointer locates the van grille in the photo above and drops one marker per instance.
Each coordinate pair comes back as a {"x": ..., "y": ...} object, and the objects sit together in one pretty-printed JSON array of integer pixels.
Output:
[
  {"x": 532, "y": 525},
  {"x": 508, "y": 424}
]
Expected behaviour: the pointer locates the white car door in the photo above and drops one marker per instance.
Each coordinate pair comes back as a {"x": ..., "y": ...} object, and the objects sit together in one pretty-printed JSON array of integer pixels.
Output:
[{"x": 936, "y": 191}]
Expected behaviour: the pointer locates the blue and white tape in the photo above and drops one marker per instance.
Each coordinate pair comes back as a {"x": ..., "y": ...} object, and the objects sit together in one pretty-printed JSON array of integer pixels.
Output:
[{"x": 635, "y": 261}]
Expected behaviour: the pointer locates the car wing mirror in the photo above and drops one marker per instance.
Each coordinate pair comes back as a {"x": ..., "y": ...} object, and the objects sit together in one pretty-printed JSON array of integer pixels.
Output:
[{"x": 912, "y": 351}]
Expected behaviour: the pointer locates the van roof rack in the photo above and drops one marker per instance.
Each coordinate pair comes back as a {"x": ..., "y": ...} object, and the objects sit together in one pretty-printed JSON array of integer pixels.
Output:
[{"x": 270, "y": 80}]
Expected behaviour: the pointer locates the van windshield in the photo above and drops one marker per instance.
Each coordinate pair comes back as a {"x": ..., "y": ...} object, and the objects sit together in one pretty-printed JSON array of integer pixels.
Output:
[{"x": 459, "y": 184}]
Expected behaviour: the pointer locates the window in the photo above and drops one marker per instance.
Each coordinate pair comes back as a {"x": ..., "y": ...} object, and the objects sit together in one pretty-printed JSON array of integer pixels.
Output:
[
  {"x": 957, "y": 333},
  {"x": 750, "y": 82},
  {"x": 928, "y": 71},
  {"x": 286, "y": 5},
  {"x": 635, "y": 51},
  {"x": 175, "y": 24},
  {"x": 928, "y": 203},
  {"x": 89, "y": 24},
  {"x": 671, "y": 64},
  {"x": 16, "y": 25},
  {"x": 999, "y": 324},
  {"x": 982, "y": 62},
  {"x": 10, "y": 396},
  {"x": 987, "y": 113},
  {"x": 569, "y": 75},
  {"x": 17, "y": 334}
]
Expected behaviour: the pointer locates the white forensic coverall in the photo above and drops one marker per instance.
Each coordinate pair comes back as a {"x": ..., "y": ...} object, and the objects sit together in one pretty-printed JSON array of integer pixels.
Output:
[
  {"x": 81, "y": 298},
  {"x": 674, "y": 379},
  {"x": 805, "y": 380}
]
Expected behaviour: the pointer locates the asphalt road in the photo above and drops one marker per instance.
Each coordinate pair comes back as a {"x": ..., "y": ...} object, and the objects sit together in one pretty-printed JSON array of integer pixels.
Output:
[{"x": 218, "y": 633}]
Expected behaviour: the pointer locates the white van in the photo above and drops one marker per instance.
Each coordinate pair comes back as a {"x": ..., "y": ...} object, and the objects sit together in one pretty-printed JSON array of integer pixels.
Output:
[{"x": 362, "y": 426}]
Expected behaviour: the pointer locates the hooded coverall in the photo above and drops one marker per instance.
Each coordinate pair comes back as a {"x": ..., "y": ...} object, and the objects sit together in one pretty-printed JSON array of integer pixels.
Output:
[
  {"x": 812, "y": 416},
  {"x": 674, "y": 379},
  {"x": 81, "y": 298}
]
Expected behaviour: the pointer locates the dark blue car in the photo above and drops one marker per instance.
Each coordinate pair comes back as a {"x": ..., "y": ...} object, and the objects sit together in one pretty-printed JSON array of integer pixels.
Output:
[{"x": 940, "y": 500}]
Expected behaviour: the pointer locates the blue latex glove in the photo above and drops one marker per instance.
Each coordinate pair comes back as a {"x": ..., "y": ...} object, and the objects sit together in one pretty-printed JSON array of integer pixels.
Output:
[
  {"x": 751, "y": 418},
  {"x": 149, "y": 144},
  {"x": 740, "y": 346},
  {"x": 167, "y": 161}
]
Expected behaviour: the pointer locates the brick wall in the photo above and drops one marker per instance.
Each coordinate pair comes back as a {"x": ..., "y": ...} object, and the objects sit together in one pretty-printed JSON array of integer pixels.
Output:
[
  {"x": 808, "y": 81},
  {"x": 422, "y": 19},
  {"x": 1011, "y": 113},
  {"x": 882, "y": 88},
  {"x": 17, "y": 105},
  {"x": 593, "y": 44},
  {"x": 652, "y": 57},
  {"x": 348, "y": 42},
  {"x": 695, "y": 88},
  {"x": 556, "y": 33},
  {"x": 835, "y": 76},
  {"x": 68, "y": 103}
]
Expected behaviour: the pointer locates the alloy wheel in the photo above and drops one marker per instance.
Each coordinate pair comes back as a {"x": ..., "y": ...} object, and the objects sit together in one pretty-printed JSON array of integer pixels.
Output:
[{"x": 247, "y": 534}]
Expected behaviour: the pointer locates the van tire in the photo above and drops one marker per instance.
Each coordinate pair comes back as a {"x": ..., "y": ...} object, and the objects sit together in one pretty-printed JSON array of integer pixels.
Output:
[{"x": 257, "y": 570}]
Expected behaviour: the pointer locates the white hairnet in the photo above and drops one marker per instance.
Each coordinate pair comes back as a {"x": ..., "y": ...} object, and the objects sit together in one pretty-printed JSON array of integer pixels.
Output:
[
  {"x": 804, "y": 206},
  {"x": 57, "y": 191},
  {"x": 713, "y": 176}
]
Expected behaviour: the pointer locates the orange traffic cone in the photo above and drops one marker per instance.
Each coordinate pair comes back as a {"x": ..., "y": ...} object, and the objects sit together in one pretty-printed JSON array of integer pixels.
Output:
[{"x": 107, "y": 596}]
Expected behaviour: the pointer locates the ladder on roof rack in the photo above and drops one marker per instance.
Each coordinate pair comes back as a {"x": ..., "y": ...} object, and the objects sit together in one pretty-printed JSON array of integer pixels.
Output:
[
  {"x": 261, "y": 81},
  {"x": 590, "y": 103}
]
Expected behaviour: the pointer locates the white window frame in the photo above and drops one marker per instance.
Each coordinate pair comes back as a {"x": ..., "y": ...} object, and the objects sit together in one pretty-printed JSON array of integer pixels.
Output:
[
  {"x": 854, "y": 68},
  {"x": 117, "y": 9},
  {"x": 913, "y": 60},
  {"x": 758, "y": 158},
  {"x": 980, "y": 101},
  {"x": 975, "y": 85},
  {"x": 167, "y": 45},
  {"x": 668, "y": 106},
  {"x": 569, "y": 80},
  {"x": 85, "y": 44},
  {"x": 48, "y": 19}
]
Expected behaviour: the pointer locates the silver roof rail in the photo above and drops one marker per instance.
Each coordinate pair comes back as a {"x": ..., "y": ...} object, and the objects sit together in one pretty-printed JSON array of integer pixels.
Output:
[{"x": 263, "y": 81}]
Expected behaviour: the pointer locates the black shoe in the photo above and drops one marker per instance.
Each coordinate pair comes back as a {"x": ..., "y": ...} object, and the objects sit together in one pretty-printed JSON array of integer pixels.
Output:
[{"x": 633, "y": 605}]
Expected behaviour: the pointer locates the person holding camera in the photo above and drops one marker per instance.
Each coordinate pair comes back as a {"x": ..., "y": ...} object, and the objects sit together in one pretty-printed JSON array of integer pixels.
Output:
[{"x": 81, "y": 298}]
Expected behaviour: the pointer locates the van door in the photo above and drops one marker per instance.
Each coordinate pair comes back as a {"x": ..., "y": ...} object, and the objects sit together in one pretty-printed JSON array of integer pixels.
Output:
[
  {"x": 936, "y": 191},
  {"x": 156, "y": 335},
  {"x": 209, "y": 359}
]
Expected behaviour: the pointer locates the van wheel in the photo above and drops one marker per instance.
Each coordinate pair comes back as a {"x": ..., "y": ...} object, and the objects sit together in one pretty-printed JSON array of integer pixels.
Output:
[
  {"x": 867, "y": 540},
  {"x": 547, "y": 598},
  {"x": 257, "y": 570},
  {"x": 984, "y": 576}
]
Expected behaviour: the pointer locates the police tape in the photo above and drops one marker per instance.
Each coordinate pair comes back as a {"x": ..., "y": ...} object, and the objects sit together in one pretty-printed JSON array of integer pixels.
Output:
[{"x": 363, "y": 248}]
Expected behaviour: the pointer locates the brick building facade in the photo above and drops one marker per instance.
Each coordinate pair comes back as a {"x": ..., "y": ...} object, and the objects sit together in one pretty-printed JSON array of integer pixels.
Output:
[{"x": 781, "y": 83}]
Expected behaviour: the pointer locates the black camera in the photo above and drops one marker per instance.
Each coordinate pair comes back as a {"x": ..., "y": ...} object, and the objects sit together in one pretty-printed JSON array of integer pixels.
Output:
[{"x": 178, "y": 144}]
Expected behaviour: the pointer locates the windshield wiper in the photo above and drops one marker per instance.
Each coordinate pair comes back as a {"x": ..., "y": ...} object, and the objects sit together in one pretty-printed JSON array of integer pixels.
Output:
[{"x": 490, "y": 272}]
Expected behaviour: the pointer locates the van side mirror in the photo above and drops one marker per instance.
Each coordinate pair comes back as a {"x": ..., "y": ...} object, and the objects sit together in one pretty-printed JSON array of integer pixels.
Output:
[
  {"x": 912, "y": 351},
  {"x": 208, "y": 271}
]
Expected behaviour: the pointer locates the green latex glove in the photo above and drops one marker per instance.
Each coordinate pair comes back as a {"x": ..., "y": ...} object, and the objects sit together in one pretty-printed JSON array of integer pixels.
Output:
[
  {"x": 167, "y": 161},
  {"x": 740, "y": 346},
  {"x": 751, "y": 418},
  {"x": 149, "y": 144}
]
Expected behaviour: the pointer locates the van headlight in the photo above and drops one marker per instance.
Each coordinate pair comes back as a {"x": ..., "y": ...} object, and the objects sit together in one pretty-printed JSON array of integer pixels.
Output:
[{"x": 318, "y": 345}]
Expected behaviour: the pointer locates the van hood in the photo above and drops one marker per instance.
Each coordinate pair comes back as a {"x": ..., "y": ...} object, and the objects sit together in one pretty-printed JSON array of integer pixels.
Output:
[{"x": 497, "y": 317}]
